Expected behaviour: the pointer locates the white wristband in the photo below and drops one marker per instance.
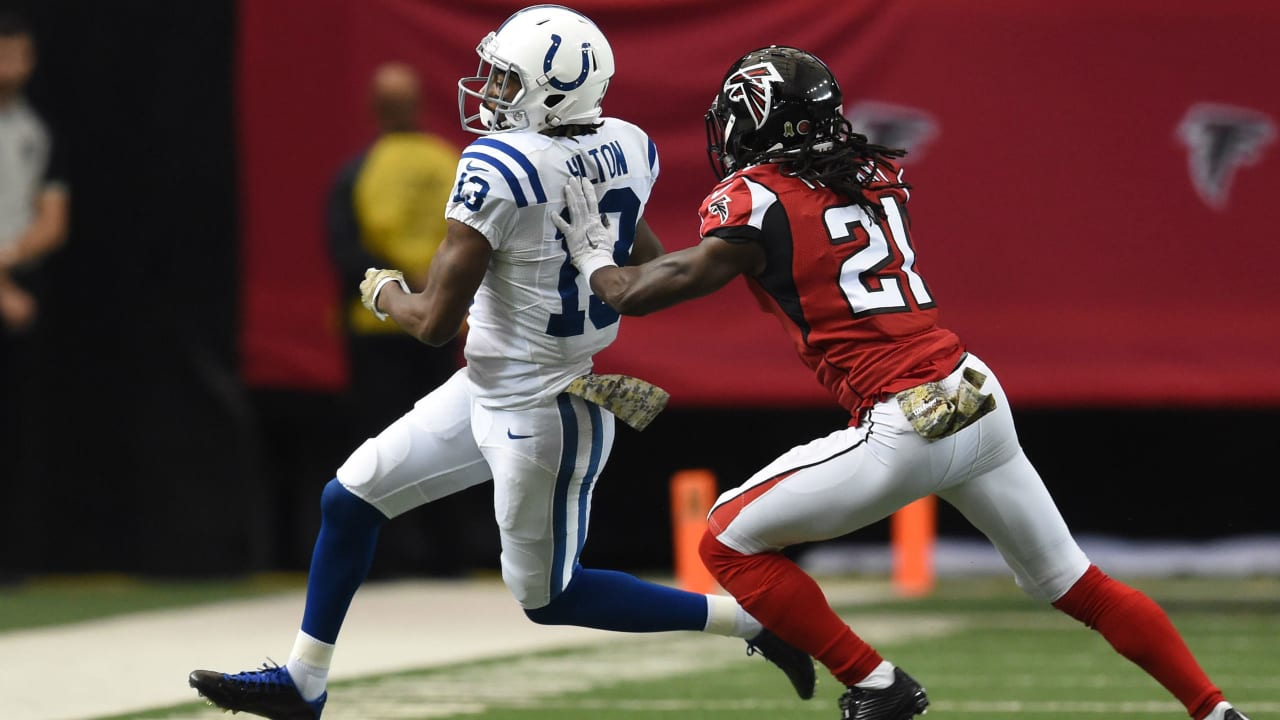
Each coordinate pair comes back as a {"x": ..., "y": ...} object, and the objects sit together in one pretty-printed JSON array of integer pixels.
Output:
[
  {"x": 378, "y": 288},
  {"x": 594, "y": 262}
]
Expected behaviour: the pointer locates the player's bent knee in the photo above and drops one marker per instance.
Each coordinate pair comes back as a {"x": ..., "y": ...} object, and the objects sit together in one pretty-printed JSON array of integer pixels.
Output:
[
  {"x": 566, "y": 608},
  {"x": 562, "y": 610},
  {"x": 528, "y": 589},
  {"x": 716, "y": 556},
  {"x": 337, "y": 503},
  {"x": 361, "y": 465},
  {"x": 545, "y": 615}
]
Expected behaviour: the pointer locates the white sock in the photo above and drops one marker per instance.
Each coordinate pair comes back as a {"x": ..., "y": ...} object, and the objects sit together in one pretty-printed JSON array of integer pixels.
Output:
[
  {"x": 726, "y": 617},
  {"x": 1220, "y": 710},
  {"x": 309, "y": 665},
  {"x": 879, "y": 679}
]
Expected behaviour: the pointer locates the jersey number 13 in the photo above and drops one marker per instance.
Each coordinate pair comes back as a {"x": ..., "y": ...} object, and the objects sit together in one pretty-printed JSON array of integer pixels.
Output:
[{"x": 623, "y": 207}]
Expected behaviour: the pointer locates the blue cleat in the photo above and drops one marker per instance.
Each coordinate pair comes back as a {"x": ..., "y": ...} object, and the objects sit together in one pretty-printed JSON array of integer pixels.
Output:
[{"x": 268, "y": 692}]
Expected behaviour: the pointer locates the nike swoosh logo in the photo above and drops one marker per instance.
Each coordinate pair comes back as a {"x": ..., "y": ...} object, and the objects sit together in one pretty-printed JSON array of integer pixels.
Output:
[
  {"x": 513, "y": 436},
  {"x": 472, "y": 167}
]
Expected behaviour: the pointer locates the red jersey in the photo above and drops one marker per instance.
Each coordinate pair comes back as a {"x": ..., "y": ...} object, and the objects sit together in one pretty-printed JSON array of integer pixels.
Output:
[{"x": 842, "y": 280}]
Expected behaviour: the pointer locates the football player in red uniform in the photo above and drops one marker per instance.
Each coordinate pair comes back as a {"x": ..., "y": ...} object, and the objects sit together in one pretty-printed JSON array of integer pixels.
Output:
[{"x": 814, "y": 216}]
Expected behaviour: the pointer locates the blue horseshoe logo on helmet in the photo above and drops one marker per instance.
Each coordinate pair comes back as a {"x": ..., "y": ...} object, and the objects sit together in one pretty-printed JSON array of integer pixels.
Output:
[{"x": 582, "y": 76}]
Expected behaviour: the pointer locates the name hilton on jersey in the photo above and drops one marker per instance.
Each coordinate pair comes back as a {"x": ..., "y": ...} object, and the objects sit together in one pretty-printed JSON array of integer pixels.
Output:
[{"x": 608, "y": 159}]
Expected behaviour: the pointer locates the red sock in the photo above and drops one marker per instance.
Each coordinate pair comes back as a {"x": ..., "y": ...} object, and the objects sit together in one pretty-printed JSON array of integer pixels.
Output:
[
  {"x": 775, "y": 591},
  {"x": 1139, "y": 630}
]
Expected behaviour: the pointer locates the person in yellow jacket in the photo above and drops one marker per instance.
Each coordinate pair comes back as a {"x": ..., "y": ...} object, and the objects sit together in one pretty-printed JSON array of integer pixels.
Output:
[{"x": 386, "y": 209}]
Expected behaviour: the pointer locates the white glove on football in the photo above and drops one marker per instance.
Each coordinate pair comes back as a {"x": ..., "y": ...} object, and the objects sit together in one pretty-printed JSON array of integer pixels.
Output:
[
  {"x": 586, "y": 231},
  {"x": 374, "y": 279}
]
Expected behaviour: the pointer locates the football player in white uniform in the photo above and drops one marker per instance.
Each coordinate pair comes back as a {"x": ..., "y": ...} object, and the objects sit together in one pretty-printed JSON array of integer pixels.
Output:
[{"x": 518, "y": 412}]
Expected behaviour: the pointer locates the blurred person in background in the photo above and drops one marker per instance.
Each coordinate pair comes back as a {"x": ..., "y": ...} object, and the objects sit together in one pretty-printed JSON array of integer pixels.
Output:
[
  {"x": 33, "y": 224},
  {"x": 386, "y": 209},
  {"x": 527, "y": 413},
  {"x": 814, "y": 216}
]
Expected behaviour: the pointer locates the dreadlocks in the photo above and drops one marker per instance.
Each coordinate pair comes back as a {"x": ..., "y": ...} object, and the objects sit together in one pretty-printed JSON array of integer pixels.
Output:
[
  {"x": 572, "y": 131},
  {"x": 843, "y": 160}
]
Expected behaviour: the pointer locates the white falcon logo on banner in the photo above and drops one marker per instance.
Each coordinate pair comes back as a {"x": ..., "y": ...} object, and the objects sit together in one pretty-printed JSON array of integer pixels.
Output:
[
  {"x": 1221, "y": 139},
  {"x": 896, "y": 126}
]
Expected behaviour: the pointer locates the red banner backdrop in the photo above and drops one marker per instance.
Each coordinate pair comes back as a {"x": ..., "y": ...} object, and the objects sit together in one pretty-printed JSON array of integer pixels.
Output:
[{"x": 1095, "y": 182}]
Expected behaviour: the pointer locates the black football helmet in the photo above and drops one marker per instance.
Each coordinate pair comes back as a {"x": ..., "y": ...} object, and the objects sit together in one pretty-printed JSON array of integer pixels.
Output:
[{"x": 775, "y": 102}]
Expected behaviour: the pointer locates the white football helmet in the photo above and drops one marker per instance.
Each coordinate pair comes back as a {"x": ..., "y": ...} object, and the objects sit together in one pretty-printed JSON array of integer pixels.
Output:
[{"x": 561, "y": 62}]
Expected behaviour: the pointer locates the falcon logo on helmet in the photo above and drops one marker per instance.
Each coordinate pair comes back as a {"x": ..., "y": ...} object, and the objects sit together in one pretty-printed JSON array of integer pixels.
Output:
[
  {"x": 753, "y": 87},
  {"x": 774, "y": 102}
]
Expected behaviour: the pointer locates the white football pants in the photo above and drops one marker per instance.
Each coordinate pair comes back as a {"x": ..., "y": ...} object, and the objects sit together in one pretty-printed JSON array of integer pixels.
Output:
[
  {"x": 857, "y": 476},
  {"x": 544, "y": 462}
]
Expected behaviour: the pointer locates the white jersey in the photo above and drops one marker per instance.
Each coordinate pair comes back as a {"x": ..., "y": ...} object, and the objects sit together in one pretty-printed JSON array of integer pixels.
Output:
[{"x": 534, "y": 324}]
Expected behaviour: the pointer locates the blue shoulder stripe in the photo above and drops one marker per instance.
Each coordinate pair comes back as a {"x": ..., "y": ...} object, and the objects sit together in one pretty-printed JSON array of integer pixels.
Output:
[
  {"x": 517, "y": 192},
  {"x": 530, "y": 171},
  {"x": 653, "y": 153}
]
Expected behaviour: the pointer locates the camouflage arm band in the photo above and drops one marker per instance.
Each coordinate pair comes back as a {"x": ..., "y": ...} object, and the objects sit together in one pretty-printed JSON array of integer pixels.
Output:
[{"x": 632, "y": 400}]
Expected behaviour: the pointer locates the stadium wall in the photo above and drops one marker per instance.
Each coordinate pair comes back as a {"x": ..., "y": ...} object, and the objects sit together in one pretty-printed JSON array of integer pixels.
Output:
[{"x": 182, "y": 418}]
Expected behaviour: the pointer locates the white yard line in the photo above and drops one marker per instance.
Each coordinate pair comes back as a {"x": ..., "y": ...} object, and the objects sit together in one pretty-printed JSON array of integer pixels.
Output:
[
  {"x": 542, "y": 681},
  {"x": 136, "y": 662},
  {"x": 141, "y": 661}
]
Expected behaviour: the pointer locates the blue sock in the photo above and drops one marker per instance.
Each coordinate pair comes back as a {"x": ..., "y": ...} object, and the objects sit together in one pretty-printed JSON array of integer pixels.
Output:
[
  {"x": 610, "y": 600},
  {"x": 341, "y": 559}
]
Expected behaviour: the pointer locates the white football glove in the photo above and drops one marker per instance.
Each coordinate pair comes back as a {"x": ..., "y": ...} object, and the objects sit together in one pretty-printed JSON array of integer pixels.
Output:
[
  {"x": 586, "y": 231},
  {"x": 374, "y": 279}
]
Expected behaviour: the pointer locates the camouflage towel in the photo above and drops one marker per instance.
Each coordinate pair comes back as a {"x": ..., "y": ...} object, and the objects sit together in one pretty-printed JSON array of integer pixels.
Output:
[
  {"x": 935, "y": 413},
  {"x": 632, "y": 400}
]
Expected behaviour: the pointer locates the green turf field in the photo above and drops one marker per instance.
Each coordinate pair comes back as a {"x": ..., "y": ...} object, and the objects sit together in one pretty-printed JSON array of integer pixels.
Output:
[
  {"x": 981, "y": 649},
  {"x": 48, "y": 601}
]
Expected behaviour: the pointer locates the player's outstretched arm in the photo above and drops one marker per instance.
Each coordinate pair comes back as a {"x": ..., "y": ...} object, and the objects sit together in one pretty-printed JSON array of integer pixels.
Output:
[
  {"x": 647, "y": 245},
  {"x": 676, "y": 276},
  {"x": 664, "y": 281}
]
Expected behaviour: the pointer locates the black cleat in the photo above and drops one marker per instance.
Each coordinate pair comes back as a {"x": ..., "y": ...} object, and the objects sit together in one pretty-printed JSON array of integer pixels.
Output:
[
  {"x": 902, "y": 700},
  {"x": 1233, "y": 714},
  {"x": 268, "y": 692},
  {"x": 793, "y": 661}
]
